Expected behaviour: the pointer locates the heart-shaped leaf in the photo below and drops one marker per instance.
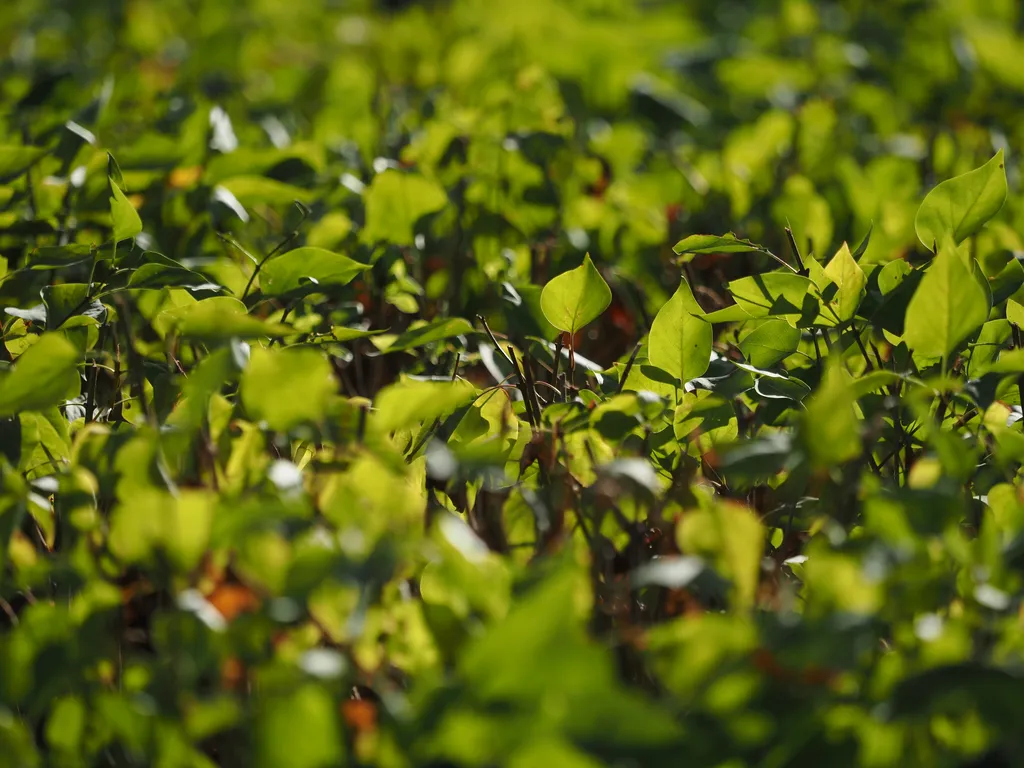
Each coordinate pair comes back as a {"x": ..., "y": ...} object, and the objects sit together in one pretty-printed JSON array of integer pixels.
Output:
[
  {"x": 960, "y": 206},
  {"x": 774, "y": 293},
  {"x": 395, "y": 201},
  {"x": 576, "y": 297},
  {"x": 850, "y": 280},
  {"x": 948, "y": 305},
  {"x": 773, "y": 340},
  {"x": 680, "y": 342},
  {"x": 306, "y": 269}
]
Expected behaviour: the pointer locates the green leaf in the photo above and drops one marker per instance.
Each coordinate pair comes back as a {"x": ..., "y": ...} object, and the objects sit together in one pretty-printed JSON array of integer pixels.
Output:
[
  {"x": 772, "y": 341},
  {"x": 851, "y": 281},
  {"x": 299, "y": 729},
  {"x": 731, "y": 537},
  {"x": 892, "y": 274},
  {"x": 341, "y": 333},
  {"x": 259, "y": 190},
  {"x": 873, "y": 382},
  {"x": 1007, "y": 281},
  {"x": 160, "y": 271},
  {"x": 774, "y": 293},
  {"x": 727, "y": 243},
  {"x": 44, "y": 439},
  {"x": 734, "y": 313},
  {"x": 862, "y": 248},
  {"x": 125, "y": 218},
  {"x": 395, "y": 201},
  {"x": 680, "y": 340},
  {"x": 287, "y": 387},
  {"x": 177, "y": 526},
  {"x": 1010, "y": 361},
  {"x": 948, "y": 305},
  {"x": 204, "y": 381},
  {"x": 960, "y": 206},
  {"x": 409, "y": 403},
  {"x": 66, "y": 725},
  {"x": 43, "y": 376},
  {"x": 307, "y": 269},
  {"x": 781, "y": 388},
  {"x": 16, "y": 159},
  {"x": 428, "y": 333},
  {"x": 644, "y": 377},
  {"x": 65, "y": 300},
  {"x": 830, "y": 428},
  {"x": 487, "y": 432},
  {"x": 576, "y": 297},
  {"x": 222, "y": 317},
  {"x": 1015, "y": 313},
  {"x": 711, "y": 419},
  {"x": 57, "y": 256}
]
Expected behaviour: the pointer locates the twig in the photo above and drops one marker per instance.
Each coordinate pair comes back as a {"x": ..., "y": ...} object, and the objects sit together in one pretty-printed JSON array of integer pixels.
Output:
[
  {"x": 531, "y": 385},
  {"x": 528, "y": 401},
  {"x": 494, "y": 341},
  {"x": 277, "y": 249},
  {"x": 628, "y": 368},
  {"x": 558, "y": 359},
  {"x": 796, "y": 249},
  {"x": 860, "y": 345}
]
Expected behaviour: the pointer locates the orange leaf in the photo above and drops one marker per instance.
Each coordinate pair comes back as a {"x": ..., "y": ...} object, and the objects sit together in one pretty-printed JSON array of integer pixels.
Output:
[{"x": 233, "y": 599}]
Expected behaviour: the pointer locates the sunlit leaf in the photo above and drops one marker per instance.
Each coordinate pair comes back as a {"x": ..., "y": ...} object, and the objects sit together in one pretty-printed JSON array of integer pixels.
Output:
[
  {"x": 222, "y": 317},
  {"x": 770, "y": 342},
  {"x": 298, "y": 728},
  {"x": 774, "y": 293},
  {"x": 428, "y": 333},
  {"x": 946, "y": 308},
  {"x": 959, "y": 207},
  {"x": 395, "y": 201},
  {"x": 413, "y": 402},
  {"x": 728, "y": 243},
  {"x": 847, "y": 275},
  {"x": 126, "y": 221},
  {"x": 307, "y": 269},
  {"x": 576, "y": 297},
  {"x": 706, "y": 418},
  {"x": 46, "y": 374},
  {"x": 287, "y": 387},
  {"x": 15, "y": 159},
  {"x": 830, "y": 428},
  {"x": 732, "y": 538},
  {"x": 680, "y": 341}
]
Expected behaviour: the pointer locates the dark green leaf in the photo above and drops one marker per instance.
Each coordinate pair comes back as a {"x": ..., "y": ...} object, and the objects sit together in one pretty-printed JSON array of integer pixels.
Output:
[{"x": 44, "y": 375}]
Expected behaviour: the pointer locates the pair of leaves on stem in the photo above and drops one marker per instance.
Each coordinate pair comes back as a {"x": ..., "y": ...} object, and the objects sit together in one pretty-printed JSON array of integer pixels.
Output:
[{"x": 680, "y": 339}]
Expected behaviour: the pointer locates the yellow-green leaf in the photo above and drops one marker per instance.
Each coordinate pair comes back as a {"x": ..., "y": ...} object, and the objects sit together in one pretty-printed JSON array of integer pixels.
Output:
[
  {"x": 960, "y": 206},
  {"x": 850, "y": 280},
  {"x": 731, "y": 537},
  {"x": 44, "y": 375},
  {"x": 948, "y": 305},
  {"x": 680, "y": 342},
  {"x": 576, "y": 297}
]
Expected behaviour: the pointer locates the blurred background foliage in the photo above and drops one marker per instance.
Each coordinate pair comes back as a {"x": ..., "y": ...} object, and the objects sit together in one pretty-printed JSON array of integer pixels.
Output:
[
  {"x": 612, "y": 127},
  {"x": 260, "y": 577}
]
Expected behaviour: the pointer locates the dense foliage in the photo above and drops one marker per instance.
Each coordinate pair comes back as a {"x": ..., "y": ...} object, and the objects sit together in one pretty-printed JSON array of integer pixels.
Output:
[{"x": 550, "y": 382}]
